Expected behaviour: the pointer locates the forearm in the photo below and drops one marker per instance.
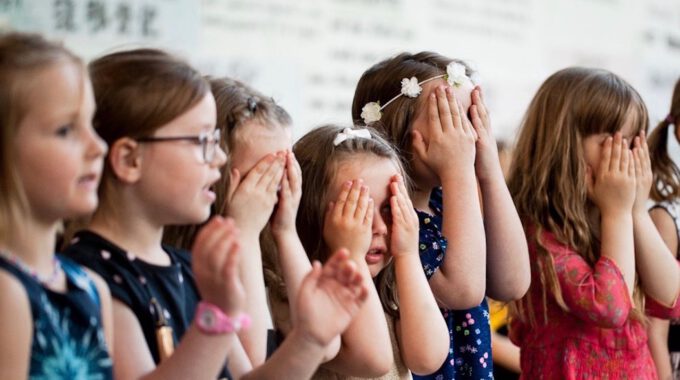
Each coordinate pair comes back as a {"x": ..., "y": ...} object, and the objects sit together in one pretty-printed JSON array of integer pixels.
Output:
[
  {"x": 507, "y": 262},
  {"x": 617, "y": 244},
  {"x": 420, "y": 320},
  {"x": 366, "y": 340},
  {"x": 198, "y": 356},
  {"x": 658, "y": 270},
  {"x": 254, "y": 339},
  {"x": 464, "y": 266},
  {"x": 297, "y": 358},
  {"x": 658, "y": 346},
  {"x": 294, "y": 264},
  {"x": 505, "y": 353}
]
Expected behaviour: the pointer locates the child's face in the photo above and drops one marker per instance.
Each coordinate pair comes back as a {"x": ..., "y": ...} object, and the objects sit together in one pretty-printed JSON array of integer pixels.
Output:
[
  {"x": 175, "y": 180},
  {"x": 376, "y": 173},
  {"x": 424, "y": 176},
  {"x": 593, "y": 144},
  {"x": 254, "y": 141},
  {"x": 58, "y": 155}
]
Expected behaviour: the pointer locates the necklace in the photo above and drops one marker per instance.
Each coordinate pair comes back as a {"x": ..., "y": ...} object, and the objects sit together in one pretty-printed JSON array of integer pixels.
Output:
[{"x": 45, "y": 280}]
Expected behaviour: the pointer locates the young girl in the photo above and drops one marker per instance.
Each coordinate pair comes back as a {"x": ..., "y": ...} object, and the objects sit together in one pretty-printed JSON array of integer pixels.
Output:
[
  {"x": 452, "y": 162},
  {"x": 356, "y": 198},
  {"x": 56, "y": 318},
  {"x": 581, "y": 194},
  {"x": 664, "y": 335},
  {"x": 158, "y": 116},
  {"x": 257, "y": 137}
]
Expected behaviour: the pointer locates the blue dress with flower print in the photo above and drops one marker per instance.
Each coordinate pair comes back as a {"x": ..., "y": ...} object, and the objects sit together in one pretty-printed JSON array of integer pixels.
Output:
[{"x": 469, "y": 330}]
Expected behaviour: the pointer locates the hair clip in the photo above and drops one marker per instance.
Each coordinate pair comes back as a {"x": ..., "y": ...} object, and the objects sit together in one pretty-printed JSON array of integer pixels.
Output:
[
  {"x": 252, "y": 104},
  {"x": 349, "y": 134}
]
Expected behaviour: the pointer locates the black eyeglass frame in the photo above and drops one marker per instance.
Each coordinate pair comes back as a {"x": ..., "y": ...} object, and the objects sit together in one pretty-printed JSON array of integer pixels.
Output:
[{"x": 205, "y": 139}]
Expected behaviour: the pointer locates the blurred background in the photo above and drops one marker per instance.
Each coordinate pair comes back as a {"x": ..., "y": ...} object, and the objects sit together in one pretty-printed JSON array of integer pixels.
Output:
[{"x": 309, "y": 54}]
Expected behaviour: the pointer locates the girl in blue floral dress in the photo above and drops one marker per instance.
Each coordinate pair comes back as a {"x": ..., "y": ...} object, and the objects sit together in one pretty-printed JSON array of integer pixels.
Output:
[
  {"x": 55, "y": 316},
  {"x": 432, "y": 111}
]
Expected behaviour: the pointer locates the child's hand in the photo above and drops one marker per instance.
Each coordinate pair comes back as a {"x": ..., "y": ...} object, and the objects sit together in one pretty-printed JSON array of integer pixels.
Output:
[
  {"x": 451, "y": 138},
  {"x": 405, "y": 224},
  {"x": 613, "y": 188},
  {"x": 643, "y": 172},
  {"x": 348, "y": 222},
  {"x": 329, "y": 298},
  {"x": 289, "y": 197},
  {"x": 487, "y": 163},
  {"x": 215, "y": 256},
  {"x": 252, "y": 200}
]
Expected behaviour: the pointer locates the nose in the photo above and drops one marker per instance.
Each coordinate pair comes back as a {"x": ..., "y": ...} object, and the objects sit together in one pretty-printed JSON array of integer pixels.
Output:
[
  {"x": 220, "y": 157},
  {"x": 96, "y": 146},
  {"x": 379, "y": 226}
]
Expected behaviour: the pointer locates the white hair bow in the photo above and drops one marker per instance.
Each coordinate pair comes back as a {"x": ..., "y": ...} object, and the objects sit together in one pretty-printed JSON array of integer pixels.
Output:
[{"x": 349, "y": 133}]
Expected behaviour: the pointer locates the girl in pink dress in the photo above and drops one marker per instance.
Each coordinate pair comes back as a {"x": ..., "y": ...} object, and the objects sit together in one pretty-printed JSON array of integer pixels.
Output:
[{"x": 580, "y": 179}]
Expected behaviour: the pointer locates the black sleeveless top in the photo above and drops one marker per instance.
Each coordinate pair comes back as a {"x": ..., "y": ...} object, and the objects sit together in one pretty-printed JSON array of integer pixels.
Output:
[
  {"x": 68, "y": 336},
  {"x": 135, "y": 282}
]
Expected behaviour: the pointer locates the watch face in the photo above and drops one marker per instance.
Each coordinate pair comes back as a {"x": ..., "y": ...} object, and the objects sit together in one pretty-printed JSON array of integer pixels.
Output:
[{"x": 207, "y": 319}]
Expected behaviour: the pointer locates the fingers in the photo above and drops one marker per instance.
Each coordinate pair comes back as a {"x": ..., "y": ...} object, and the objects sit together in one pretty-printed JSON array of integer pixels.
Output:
[
  {"x": 467, "y": 126},
  {"x": 615, "y": 161},
  {"x": 606, "y": 153},
  {"x": 273, "y": 176},
  {"x": 234, "y": 182},
  {"x": 480, "y": 106},
  {"x": 449, "y": 112},
  {"x": 434, "y": 121},
  {"x": 625, "y": 156},
  {"x": 353, "y": 197},
  {"x": 339, "y": 203},
  {"x": 418, "y": 144},
  {"x": 362, "y": 204}
]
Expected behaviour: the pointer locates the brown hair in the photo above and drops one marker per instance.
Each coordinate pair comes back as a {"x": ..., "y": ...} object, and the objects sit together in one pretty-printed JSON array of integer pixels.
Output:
[
  {"x": 382, "y": 82},
  {"x": 139, "y": 91},
  {"x": 547, "y": 177},
  {"x": 22, "y": 56},
  {"x": 319, "y": 159},
  {"x": 666, "y": 172}
]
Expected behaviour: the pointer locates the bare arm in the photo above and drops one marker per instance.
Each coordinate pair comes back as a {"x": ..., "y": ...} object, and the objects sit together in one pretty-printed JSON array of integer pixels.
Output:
[
  {"x": 508, "y": 274},
  {"x": 464, "y": 266},
  {"x": 505, "y": 353},
  {"x": 656, "y": 241},
  {"x": 16, "y": 330},
  {"x": 364, "y": 343},
  {"x": 657, "y": 329},
  {"x": 292, "y": 257},
  {"x": 419, "y": 317}
]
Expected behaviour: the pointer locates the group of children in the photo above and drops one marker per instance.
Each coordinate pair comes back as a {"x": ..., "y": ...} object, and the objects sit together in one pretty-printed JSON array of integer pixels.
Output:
[{"x": 188, "y": 221}]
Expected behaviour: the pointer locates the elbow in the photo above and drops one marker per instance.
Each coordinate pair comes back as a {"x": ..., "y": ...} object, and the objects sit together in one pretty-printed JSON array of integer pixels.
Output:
[
  {"x": 462, "y": 297},
  {"x": 377, "y": 366},
  {"x": 513, "y": 290},
  {"x": 424, "y": 362}
]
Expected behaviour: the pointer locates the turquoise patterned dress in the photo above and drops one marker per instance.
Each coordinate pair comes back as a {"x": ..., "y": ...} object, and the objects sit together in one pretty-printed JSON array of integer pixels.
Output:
[
  {"x": 469, "y": 330},
  {"x": 68, "y": 337}
]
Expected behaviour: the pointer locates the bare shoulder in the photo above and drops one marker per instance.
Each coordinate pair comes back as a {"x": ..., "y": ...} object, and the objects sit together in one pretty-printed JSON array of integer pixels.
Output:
[{"x": 102, "y": 287}]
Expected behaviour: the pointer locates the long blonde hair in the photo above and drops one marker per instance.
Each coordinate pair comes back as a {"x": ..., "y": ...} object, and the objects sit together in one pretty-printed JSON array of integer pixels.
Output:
[
  {"x": 21, "y": 57},
  {"x": 547, "y": 177}
]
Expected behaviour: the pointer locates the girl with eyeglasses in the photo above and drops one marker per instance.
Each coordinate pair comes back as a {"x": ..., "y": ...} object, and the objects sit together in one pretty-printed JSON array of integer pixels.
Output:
[{"x": 178, "y": 313}]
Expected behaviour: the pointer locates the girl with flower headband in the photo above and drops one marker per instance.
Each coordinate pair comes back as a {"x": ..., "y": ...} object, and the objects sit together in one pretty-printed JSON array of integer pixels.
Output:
[
  {"x": 664, "y": 335},
  {"x": 580, "y": 178},
  {"x": 179, "y": 314},
  {"x": 56, "y": 316},
  {"x": 448, "y": 156},
  {"x": 356, "y": 197},
  {"x": 258, "y": 139}
]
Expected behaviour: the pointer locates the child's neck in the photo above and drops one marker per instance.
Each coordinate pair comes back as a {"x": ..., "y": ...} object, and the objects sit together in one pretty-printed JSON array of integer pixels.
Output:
[
  {"x": 421, "y": 199},
  {"x": 34, "y": 243},
  {"x": 132, "y": 232}
]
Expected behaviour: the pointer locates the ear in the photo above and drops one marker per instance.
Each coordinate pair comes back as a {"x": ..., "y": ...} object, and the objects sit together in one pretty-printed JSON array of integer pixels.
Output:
[{"x": 125, "y": 160}]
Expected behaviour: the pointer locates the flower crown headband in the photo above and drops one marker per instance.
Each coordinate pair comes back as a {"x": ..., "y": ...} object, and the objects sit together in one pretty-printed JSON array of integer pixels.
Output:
[{"x": 455, "y": 75}]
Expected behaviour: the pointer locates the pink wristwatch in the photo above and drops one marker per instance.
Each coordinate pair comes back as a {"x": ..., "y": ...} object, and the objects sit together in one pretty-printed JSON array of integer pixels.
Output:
[{"x": 211, "y": 320}]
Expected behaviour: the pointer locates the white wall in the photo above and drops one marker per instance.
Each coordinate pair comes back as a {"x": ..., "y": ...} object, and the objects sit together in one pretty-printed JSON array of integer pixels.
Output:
[{"x": 308, "y": 54}]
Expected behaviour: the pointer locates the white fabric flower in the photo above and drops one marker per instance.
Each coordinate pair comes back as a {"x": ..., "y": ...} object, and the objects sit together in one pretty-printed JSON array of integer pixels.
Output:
[
  {"x": 455, "y": 74},
  {"x": 410, "y": 87},
  {"x": 371, "y": 112}
]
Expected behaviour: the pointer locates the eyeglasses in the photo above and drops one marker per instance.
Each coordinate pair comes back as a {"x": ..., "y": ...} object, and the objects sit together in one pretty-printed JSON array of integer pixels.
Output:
[{"x": 209, "y": 142}]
